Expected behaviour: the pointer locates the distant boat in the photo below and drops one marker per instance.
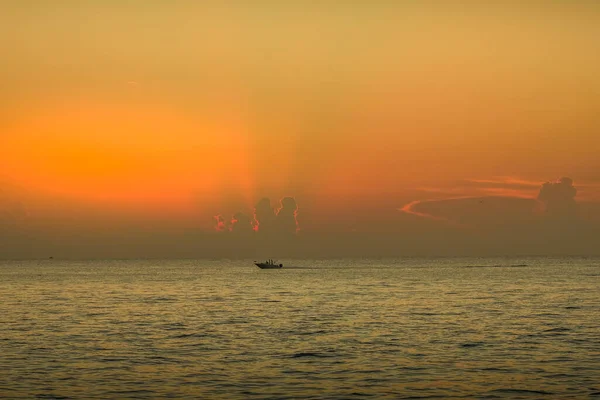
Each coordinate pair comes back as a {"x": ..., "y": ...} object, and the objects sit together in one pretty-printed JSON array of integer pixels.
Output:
[{"x": 269, "y": 264}]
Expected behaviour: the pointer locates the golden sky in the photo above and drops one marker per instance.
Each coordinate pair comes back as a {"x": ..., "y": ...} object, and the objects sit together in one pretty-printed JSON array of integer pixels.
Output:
[{"x": 191, "y": 108}]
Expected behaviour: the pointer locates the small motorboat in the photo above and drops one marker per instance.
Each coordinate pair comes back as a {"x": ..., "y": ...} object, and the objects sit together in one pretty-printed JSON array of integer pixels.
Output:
[{"x": 269, "y": 264}]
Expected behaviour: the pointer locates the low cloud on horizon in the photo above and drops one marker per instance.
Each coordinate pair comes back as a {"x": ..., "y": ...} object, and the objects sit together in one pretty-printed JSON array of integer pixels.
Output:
[
  {"x": 468, "y": 217},
  {"x": 508, "y": 199},
  {"x": 267, "y": 220}
]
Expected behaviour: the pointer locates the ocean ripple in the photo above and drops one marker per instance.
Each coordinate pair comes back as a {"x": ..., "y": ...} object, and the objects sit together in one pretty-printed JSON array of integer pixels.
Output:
[{"x": 385, "y": 329}]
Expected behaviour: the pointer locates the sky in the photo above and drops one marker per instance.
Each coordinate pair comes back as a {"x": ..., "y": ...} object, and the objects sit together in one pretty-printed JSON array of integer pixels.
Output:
[{"x": 146, "y": 119}]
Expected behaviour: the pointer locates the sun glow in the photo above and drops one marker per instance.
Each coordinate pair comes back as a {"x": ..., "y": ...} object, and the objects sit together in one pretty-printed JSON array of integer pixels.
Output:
[{"x": 126, "y": 155}]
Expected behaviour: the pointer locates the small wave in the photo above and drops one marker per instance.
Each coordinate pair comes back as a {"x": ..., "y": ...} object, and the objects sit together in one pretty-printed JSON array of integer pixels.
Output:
[
  {"x": 497, "y": 369},
  {"x": 165, "y": 299},
  {"x": 497, "y": 266},
  {"x": 572, "y": 308},
  {"x": 553, "y": 330},
  {"x": 522, "y": 391},
  {"x": 411, "y": 368},
  {"x": 113, "y": 359},
  {"x": 313, "y": 332},
  {"x": 469, "y": 345},
  {"x": 190, "y": 335},
  {"x": 374, "y": 380},
  {"x": 174, "y": 327},
  {"x": 91, "y": 315},
  {"x": 135, "y": 392},
  {"x": 310, "y": 354},
  {"x": 161, "y": 359},
  {"x": 560, "y": 376}
]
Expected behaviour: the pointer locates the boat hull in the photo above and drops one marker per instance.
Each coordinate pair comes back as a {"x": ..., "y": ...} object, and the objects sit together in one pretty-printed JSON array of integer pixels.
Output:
[{"x": 268, "y": 266}]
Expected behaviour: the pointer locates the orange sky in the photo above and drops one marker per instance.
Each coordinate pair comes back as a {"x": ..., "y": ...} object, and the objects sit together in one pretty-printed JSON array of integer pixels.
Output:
[{"x": 190, "y": 110}]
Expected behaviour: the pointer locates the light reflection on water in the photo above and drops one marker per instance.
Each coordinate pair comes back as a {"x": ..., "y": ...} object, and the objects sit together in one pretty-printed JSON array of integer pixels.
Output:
[{"x": 483, "y": 328}]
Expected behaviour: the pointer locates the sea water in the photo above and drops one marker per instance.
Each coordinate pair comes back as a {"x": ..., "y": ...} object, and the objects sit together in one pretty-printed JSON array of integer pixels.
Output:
[{"x": 404, "y": 328}]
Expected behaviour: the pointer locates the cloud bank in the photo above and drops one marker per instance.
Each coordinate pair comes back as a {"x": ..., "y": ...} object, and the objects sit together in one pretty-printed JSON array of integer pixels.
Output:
[
  {"x": 559, "y": 198},
  {"x": 266, "y": 219}
]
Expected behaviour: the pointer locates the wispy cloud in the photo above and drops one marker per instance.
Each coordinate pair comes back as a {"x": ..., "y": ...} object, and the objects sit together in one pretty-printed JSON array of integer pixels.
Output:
[
  {"x": 508, "y": 187},
  {"x": 522, "y": 186},
  {"x": 412, "y": 209},
  {"x": 504, "y": 182}
]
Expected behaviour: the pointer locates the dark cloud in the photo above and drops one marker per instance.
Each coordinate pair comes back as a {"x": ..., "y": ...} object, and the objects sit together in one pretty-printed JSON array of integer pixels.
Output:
[
  {"x": 264, "y": 217},
  {"x": 241, "y": 224},
  {"x": 286, "y": 216},
  {"x": 558, "y": 198}
]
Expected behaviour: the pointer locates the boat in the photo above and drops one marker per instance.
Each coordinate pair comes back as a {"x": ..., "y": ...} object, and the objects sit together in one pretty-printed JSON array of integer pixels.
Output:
[{"x": 269, "y": 264}]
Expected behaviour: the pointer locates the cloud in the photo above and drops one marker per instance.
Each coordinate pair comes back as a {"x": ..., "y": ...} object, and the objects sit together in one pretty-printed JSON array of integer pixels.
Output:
[
  {"x": 477, "y": 188},
  {"x": 241, "y": 224},
  {"x": 220, "y": 225},
  {"x": 498, "y": 202},
  {"x": 559, "y": 198},
  {"x": 264, "y": 217},
  {"x": 502, "y": 183},
  {"x": 474, "y": 212},
  {"x": 517, "y": 187},
  {"x": 413, "y": 208},
  {"x": 286, "y": 216}
]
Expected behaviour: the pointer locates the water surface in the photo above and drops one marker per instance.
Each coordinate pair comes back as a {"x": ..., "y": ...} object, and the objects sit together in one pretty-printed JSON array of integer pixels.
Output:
[{"x": 406, "y": 328}]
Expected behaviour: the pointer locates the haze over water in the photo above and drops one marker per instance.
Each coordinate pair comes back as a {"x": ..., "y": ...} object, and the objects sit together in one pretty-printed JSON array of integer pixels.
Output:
[{"x": 395, "y": 328}]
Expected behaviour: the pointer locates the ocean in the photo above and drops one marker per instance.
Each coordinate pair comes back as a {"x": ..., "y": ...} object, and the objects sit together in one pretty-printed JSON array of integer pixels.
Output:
[{"x": 484, "y": 328}]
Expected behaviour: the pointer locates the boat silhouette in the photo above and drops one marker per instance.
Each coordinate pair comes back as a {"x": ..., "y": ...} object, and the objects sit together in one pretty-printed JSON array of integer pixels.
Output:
[{"x": 269, "y": 264}]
